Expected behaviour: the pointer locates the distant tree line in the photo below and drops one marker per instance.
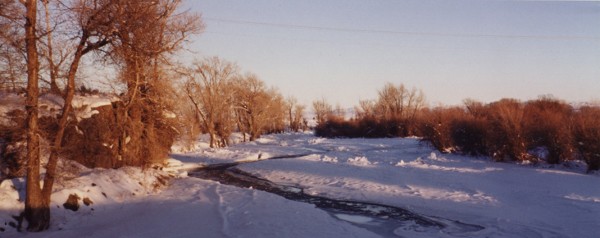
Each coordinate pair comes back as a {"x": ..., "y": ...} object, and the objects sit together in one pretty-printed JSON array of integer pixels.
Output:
[
  {"x": 545, "y": 128},
  {"x": 221, "y": 100}
]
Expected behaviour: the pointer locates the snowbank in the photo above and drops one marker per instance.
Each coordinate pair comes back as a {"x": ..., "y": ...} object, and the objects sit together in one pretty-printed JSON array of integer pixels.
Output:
[
  {"x": 51, "y": 104},
  {"x": 97, "y": 190}
]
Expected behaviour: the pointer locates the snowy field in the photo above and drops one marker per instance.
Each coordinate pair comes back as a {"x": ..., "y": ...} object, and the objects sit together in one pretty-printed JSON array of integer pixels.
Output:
[{"x": 504, "y": 199}]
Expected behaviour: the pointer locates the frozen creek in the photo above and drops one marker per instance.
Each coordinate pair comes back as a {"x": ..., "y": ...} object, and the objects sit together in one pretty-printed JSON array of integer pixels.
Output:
[{"x": 385, "y": 220}]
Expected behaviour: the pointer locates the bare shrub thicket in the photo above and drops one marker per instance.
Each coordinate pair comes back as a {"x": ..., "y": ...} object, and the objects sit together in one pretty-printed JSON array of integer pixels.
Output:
[
  {"x": 393, "y": 114},
  {"x": 98, "y": 141},
  {"x": 505, "y": 140},
  {"x": 495, "y": 129},
  {"x": 507, "y": 130},
  {"x": 586, "y": 134},
  {"x": 513, "y": 130},
  {"x": 368, "y": 127},
  {"x": 436, "y": 126},
  {"x": 547, "y": 124}
]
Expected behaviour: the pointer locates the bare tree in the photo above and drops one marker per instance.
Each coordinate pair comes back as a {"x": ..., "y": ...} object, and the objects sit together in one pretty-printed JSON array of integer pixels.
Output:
[
  {"x": 295, "y": 113},
  {"x": 36, "y": 207},
  {"x": 142, "y": 47},
  {"x": 98, "y": 23},
  {"x": 12, "y": 68},
  {"x": 143, "y": 51},
  {"x": 323, "y": 110},
  {"x": 299, "y": 117},
  {"x": 208, "y": 90},
  {"x": 12, "y": 45},
  {"x": 52, "y": 67},
  {"x": 275, "y": 112},
  {"x": 391, "y": 102},
  {"x": 415, "y": 102},
  {"x": 256, "y": 106},
  {"x": 223, "y": 99},
  {"x": 290, "y": 104},
  {"x": 339, "y": 112},
  {"x": 397, "y": 102},
  {"x": 365, "y": 108}
]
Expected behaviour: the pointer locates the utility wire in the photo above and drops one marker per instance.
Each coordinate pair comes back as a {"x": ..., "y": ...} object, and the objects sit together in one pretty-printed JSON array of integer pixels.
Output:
[{"x": 413, "y": 33}]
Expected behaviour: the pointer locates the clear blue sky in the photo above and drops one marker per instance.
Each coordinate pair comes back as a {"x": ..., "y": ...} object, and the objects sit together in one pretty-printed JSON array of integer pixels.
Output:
[{"x": 345, "y": 50}]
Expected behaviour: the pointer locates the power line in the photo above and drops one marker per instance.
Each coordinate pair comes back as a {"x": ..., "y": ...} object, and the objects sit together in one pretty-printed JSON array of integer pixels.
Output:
[
  {"x": 337, "y": 43},
  {"x": 412, "y": 33}
]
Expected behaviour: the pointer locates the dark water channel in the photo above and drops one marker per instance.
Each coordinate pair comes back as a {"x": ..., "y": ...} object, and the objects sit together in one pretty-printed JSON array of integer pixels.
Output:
[{"x": 384, "y": 220}]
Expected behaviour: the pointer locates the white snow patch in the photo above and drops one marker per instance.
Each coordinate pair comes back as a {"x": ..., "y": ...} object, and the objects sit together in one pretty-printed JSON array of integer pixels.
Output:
[
  {"x": 354, "y": 218},
  {"x": 328, "y": 159},
  {"x": 578, "y": 197},
  {"x": 93, "y": 101},
  {"x": 360, "y": 161},
  {"x": 10, "y": 200},
  {"x": 434, "y": 157},
  {"x": 84, "y": 106},
  {"x": 51, "y": 104},
  {"x": 316, "y": 141},
  {"x": 447, "y": 168}
]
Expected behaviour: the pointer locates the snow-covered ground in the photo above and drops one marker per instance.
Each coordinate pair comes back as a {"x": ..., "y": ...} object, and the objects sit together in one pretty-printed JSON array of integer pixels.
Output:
[{"x": 508, "y": 200}]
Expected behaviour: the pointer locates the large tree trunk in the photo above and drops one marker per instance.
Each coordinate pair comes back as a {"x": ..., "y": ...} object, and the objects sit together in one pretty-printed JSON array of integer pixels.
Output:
[{"x": 37, "y": 211}]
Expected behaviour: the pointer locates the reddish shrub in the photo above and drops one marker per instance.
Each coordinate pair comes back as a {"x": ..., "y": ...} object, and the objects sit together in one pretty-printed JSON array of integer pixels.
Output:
[
  {"x": 334, "y": 127},
  {"x": 366, "y": 127},
  {"x": 586, "y": 132},
  {"x": 505, "y": 130},
  {"x": 547, "y": 124},
  {"x": 469, "y": 135},
  {"x": 505, "y": 138},
  {"x": 436, "y": 127}
]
